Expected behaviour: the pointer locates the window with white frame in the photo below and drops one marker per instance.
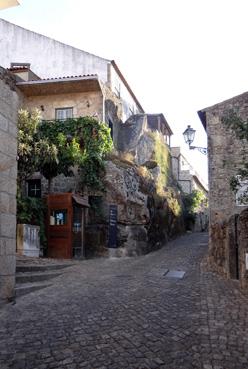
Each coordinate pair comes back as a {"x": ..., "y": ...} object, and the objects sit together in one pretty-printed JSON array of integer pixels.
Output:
[
  {"x": 63, "y": 113},
  {"x": 242, "y": 193}
]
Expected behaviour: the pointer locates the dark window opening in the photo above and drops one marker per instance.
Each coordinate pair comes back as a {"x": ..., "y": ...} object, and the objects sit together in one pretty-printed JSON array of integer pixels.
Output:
[
  {"x": 34, "y": 188},
  {"x": 110, "y": 124}
]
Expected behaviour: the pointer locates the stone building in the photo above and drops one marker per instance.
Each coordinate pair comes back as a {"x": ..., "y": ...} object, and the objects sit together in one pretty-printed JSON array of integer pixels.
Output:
[
  {"x": 49, "y": 58},
  {"x": 69, "y": 97},
  {"x": 189, "y": 181},
  {"x": 64, "y": 82},
  {"x": 185, "y": 174},
  {"x": 10, "y": 100},
  {"x": 87, "y": 96},
  {"x": 228, "y": 245}
]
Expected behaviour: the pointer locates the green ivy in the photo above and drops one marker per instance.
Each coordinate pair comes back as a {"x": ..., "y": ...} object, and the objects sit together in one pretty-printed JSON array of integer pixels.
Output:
[
  {"x": 239, "y": 126},
  {"x": 54, "y": 147}
]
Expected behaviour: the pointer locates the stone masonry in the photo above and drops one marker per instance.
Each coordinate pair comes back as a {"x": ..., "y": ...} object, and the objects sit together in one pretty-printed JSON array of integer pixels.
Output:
[
  {"x": 225, "y": 153},
  {"x": 9, "y": 104}
]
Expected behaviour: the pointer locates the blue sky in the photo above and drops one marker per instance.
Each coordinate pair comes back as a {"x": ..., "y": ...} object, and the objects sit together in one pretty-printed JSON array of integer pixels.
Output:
[{"x": 178, "y": 56}]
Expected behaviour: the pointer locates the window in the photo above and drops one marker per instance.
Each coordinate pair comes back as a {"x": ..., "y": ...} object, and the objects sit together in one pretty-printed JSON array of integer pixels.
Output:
[
  {"x": 63, "y": 113},
  {"x": 242, "y": 193},
  {"x": 58, "y": 217},
  {"x": 110, "y": 124},
  {"x": 34, "y": 188}
]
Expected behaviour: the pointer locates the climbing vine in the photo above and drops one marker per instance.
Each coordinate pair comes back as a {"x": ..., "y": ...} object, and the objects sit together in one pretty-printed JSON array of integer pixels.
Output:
[
  {"x": 54, "y": 147},
  {"x": 239, "y": 126}
]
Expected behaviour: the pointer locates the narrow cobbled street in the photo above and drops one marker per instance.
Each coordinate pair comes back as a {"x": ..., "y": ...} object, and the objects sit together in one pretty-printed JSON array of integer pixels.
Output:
[{"x": 131, "y": 313}]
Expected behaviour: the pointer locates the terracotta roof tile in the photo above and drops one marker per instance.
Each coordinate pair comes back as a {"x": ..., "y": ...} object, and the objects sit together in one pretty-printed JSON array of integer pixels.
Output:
[{"x": 67, "y": 77}]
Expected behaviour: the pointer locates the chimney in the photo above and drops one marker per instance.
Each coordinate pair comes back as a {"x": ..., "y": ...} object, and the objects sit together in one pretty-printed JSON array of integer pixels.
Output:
[{"x": 23, "y": 72}]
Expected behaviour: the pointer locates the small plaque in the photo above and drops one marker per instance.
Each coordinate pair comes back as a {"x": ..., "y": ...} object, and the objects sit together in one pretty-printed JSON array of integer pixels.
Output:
[
  {"x": 246, "y": 261},
  {"x": 112, "y": 226}
]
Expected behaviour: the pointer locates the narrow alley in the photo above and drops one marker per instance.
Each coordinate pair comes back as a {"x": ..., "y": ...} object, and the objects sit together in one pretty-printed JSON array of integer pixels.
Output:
[{"x": 162, "y": 310}]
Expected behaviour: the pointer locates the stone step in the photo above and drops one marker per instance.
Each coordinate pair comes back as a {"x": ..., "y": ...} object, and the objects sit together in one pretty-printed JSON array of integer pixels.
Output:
[
  {"x": 30, "y": 277},
  {"x": 39, "y": 268},
  {"x": 24, "y": 289}
]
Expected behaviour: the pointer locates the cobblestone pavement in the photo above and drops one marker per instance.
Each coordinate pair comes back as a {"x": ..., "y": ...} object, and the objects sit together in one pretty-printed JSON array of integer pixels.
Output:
[{"x": 125, "y": 313}]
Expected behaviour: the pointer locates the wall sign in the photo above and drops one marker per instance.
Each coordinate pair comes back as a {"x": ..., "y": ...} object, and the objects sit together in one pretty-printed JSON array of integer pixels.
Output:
[
  {"x": 112, "y": 243},
  {"x": 246, "y": 261}
]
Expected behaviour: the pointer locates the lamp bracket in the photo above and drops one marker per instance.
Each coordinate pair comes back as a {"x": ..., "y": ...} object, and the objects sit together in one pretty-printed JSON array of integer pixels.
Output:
[{"x": 203, "y": 150}]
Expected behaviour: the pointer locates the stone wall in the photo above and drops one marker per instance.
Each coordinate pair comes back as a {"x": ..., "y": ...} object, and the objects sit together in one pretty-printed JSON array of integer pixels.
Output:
[
  {"x": 138, "y": 180},
  {"x": 225, "y": 154},
  {"x": 9, "y": 104},
  {"x": 242, "y": 227}
]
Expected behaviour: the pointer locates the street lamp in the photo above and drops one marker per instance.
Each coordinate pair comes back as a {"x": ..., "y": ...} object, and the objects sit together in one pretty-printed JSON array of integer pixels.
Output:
[{"x": 189, "y": 135}]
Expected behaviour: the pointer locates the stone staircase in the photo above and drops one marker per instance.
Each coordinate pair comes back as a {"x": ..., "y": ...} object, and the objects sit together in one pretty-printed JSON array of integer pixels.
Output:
[{"x": 31, "y": 277}]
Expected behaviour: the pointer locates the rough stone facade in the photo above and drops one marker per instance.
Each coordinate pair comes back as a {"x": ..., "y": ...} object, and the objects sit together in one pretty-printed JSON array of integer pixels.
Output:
[
  {"x": 147, "y": 216},
  {"x": 225, "y": 152},
  {"x": 9, "y": 104},
  {"x": 132, "y": 137},
  {"x": 242, "y": 230},
  {"x": 144, "y": 222}
]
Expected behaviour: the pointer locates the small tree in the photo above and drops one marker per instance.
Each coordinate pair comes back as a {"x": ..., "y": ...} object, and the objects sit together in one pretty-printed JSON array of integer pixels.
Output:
[
  {"x": 193, "y": 202},
  {"x": 26, "y": 136}
]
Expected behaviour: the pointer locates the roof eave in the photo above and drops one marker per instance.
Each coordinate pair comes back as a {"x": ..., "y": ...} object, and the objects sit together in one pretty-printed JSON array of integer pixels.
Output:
[
  {"x": 57, "y": 80},
  {"x": 113, "y": 63},
  {"x": 59, "y": 86},
  {"x": 203, "y": 185},
  {"x": 203, "y": 119},
  {"x": 167, "y": 124}
]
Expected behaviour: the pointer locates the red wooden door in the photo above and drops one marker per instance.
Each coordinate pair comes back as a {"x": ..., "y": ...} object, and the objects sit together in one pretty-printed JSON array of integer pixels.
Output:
[{"x": 59, "y": 225}]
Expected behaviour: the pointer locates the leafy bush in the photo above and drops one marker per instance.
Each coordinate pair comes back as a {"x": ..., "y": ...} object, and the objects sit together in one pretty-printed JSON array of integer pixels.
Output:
[
  {"x": 192, "y": 203},
  {"x": 32, "y": 210}
]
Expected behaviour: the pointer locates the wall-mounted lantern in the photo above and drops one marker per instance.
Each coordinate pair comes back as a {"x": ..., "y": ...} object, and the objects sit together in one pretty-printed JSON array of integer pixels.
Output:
[{"x": 189, "y": 135}]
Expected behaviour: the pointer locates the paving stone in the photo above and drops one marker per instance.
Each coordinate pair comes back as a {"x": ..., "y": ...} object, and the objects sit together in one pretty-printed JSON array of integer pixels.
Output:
[{"x": 90, "y": 318}]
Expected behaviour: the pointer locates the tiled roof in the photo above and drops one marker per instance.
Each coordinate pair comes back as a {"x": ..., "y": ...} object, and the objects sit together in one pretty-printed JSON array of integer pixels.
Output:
[
  {"x": 18, "y": 68},
  {"x": 67, "y": 77},
  {"x": 60, "y": 79}
]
